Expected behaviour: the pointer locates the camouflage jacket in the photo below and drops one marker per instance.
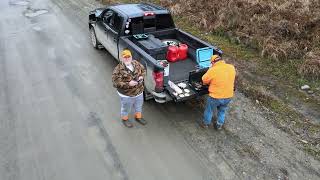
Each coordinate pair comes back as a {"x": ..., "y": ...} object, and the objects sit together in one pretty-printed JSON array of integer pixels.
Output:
[{"x": 121, "y": 77}]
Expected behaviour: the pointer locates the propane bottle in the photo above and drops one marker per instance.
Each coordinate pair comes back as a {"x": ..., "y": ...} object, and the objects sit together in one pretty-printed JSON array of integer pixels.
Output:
[
  {"x": 173, "y": 53},
  {"x": 183, "y": 51}
]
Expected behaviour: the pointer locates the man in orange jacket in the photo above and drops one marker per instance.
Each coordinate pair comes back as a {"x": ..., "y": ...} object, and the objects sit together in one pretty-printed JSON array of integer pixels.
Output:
[{"x": 221, "y": 78}]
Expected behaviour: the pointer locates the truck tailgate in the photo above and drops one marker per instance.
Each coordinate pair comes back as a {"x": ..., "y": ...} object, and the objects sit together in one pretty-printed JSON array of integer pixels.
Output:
[
  {"x": 188, "y": 93},
  {"x": 193, "y": 87}
]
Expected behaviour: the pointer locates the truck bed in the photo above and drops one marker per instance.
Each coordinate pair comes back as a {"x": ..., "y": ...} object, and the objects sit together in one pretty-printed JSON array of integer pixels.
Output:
[
  {"x": 154, "y": 48},
  {"x": 179, "y": 71}
]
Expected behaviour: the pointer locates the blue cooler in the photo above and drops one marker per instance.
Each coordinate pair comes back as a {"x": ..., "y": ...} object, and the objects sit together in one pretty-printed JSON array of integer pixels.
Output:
[{"x": 204, "y": 56}]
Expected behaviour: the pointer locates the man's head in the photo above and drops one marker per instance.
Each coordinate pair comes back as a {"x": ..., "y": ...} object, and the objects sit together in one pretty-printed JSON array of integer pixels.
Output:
[
  {"x": 126, "y": 57},
  {"x": 215, "y": 58}
]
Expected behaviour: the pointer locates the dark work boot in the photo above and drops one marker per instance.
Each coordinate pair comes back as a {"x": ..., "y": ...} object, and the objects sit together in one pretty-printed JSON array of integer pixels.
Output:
[
  {"x": 218, "y": 126},
  {"x": 127, "y": 123},
  {"x": 141, "y": 121},
  {"x": 203, "y": 125}
]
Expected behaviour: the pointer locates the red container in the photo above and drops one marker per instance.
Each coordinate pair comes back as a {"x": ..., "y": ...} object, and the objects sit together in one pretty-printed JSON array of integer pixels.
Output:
[
  {"x": 183, "y": 51},
  {"x": 173, "y": 53}
]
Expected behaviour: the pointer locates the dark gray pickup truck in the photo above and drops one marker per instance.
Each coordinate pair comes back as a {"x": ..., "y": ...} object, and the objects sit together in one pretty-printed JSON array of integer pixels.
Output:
[{"x": 148, "y": 31}]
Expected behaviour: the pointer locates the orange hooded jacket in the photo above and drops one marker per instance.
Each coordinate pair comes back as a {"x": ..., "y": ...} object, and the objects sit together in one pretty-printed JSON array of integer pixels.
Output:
[{"x": 220, "y": 77}]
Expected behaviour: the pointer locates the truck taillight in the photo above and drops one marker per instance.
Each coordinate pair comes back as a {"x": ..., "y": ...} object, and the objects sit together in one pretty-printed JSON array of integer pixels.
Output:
[
  {"x": 148, "y": 13},
  {"x": 158, "y": 78}
]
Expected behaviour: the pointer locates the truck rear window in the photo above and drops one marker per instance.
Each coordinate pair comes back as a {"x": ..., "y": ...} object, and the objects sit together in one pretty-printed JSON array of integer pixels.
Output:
[
  {"x": 139, "y": 25},
  {"x": 164, "y": 21}
]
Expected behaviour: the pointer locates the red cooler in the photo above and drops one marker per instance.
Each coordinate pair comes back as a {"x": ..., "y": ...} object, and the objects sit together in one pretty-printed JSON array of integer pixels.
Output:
[
  {"x": 173, "y": 53},
  {"x": 183, "y": 51}
]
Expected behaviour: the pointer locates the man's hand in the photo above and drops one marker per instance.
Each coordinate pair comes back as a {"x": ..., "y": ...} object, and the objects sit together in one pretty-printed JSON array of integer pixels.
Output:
[
  {"x": 140, "y": 79},
  {"x": 133, "y": 83},
  {"x": 205, "y": 84}
]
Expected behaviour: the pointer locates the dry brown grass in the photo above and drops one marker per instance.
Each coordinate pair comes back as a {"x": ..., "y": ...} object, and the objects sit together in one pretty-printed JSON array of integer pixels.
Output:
[
  {"x": 109, "y": 1},
  {"x": 311, "y": 66},
  {"x": 279, "y": 29}
]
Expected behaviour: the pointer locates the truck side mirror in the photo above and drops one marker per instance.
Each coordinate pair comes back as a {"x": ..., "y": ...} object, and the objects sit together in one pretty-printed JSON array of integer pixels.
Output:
[{"x": 92, "y": 18}]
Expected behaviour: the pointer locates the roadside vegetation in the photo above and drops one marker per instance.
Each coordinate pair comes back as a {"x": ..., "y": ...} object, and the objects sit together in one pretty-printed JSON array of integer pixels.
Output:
[{"x": 281, "y": 30}]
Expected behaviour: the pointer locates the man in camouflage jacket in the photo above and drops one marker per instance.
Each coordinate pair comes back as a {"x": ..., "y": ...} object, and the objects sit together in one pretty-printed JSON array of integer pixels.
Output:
[{"x": 128, "y": 77}]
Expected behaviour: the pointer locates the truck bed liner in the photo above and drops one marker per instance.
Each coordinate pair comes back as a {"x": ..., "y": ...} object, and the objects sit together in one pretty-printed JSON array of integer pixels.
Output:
[{"x": 179, "y": 71}]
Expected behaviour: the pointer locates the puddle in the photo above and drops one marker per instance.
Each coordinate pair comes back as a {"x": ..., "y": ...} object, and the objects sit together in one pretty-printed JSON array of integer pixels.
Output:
[
  {"x": 19, "y": 3},
  {"x": 35, "y": 12},
  {"x": 37, "y": 28}
]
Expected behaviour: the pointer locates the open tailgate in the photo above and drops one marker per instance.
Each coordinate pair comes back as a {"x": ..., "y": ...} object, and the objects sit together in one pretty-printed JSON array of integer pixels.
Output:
[{"x": 193, "y": 87}]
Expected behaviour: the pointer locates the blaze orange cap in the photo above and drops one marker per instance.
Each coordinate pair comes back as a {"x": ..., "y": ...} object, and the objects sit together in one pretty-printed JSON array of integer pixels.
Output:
[
  {"x": 215, "y": 58},
  {"x": 126, "y": 53}
]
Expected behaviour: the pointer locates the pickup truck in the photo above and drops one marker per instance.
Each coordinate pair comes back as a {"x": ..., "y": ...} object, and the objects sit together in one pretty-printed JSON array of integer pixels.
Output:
[{"x": 148, "y": 30}]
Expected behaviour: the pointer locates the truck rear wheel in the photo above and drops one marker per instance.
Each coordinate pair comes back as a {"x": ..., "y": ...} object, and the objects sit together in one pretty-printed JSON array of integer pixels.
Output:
[{"x": 94, "y": 41}]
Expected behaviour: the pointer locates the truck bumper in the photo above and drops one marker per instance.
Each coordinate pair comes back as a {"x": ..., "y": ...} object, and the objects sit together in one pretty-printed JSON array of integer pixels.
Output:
[{"x": 161, "y": 97}]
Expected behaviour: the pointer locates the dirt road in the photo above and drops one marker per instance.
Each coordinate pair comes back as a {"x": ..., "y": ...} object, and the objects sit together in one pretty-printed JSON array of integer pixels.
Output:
[{"x": 60, "y": 114}]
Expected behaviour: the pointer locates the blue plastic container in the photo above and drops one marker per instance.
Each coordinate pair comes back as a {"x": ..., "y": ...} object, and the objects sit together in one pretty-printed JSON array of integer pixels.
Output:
[{"x": 204, "y": 56}]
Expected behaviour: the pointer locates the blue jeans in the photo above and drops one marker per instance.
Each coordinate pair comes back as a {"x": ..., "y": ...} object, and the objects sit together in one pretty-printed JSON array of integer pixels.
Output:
[
  {"x": 129, "y": 103},
  {"x": 221, "y": 105}
]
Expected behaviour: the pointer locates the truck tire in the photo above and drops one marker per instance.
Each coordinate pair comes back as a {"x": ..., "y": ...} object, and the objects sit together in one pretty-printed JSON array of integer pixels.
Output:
[{"x": 94, "y": 41}]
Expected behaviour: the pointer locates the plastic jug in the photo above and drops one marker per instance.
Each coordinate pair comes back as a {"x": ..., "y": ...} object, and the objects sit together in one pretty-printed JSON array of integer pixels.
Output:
[
  {"x": 183, "y": 51},
  {"x": 173, "y": 53}
]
